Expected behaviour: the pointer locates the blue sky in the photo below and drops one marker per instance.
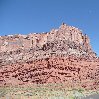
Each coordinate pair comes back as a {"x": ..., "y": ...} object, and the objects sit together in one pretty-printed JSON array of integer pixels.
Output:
[{"x": 28, "y": 16}]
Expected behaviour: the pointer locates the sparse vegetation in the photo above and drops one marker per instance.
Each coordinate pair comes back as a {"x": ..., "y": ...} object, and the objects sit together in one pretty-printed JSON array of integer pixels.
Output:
[{"x": 49, "y": 91}]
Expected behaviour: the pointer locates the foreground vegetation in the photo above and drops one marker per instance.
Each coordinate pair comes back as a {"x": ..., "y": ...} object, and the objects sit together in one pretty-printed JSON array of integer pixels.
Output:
[{"x": 49, "y": 91}]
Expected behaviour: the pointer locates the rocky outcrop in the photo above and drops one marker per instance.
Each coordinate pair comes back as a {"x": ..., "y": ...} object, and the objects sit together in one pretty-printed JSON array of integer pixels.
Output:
[
  {"x": 62, "y": 55},
  {"x": 65, "y": 41},
  {"x": 71, "y": 70}
]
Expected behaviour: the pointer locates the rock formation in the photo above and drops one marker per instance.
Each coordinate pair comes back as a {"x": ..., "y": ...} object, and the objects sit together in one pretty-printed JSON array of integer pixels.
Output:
[{"x": 62, "y": 55}]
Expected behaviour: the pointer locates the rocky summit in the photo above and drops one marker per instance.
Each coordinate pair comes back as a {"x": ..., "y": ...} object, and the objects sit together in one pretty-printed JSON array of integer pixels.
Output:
[{"x": 63, "y": 55}]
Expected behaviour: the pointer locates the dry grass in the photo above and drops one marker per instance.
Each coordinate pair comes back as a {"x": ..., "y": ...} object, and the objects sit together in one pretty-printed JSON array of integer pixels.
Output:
[{"x": 49, "y": 91}]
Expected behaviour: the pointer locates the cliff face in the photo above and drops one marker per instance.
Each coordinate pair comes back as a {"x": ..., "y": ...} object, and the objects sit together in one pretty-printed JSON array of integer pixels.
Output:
[
  {"x": 66, "y": 40},
  {"x": 61, "y": 55}
]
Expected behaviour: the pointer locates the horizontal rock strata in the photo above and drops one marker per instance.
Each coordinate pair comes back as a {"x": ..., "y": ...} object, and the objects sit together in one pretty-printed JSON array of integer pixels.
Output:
[{"x": 62, "y": 55}]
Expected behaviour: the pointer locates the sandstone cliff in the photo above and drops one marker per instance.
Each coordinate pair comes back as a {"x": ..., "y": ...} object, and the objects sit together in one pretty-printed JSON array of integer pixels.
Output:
[
  {"x": 66, "y": 40},
  {"x": 61, "y": 55}
]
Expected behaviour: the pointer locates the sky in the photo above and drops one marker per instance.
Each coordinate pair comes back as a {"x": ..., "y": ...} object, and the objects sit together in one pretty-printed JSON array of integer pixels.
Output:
[{"x": 30, "y": 16}]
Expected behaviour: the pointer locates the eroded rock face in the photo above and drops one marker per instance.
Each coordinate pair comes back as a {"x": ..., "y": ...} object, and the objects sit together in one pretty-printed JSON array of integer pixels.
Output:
[
  {"x": 73, "y": 71},
  {"x": 66, "y": 40},
  {"x": 61, "y": 55}
]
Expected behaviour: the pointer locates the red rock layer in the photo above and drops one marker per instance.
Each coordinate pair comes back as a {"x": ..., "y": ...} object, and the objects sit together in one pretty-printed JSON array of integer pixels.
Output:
[{"x": 71, "y": 70}]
